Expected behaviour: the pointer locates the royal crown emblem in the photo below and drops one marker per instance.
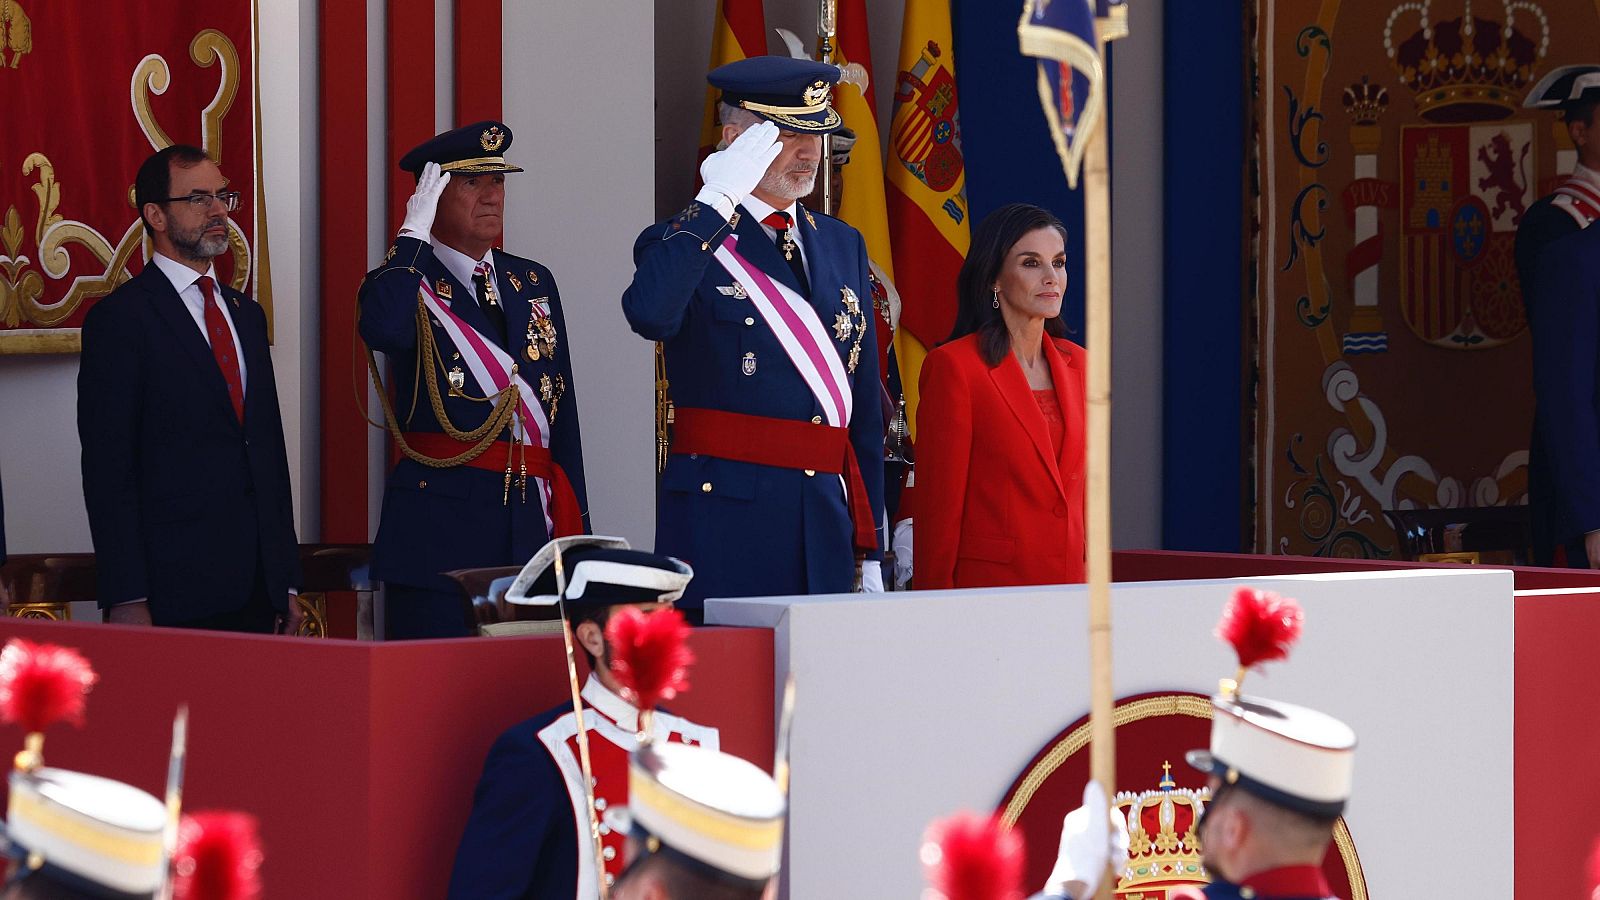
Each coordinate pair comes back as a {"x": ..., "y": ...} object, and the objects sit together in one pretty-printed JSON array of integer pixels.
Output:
[
  {"x": 816, "y": 94},
  {"x": 492, "y": 138},
  {"x": 1163, "y": 839},
  {"x": 1470, "y": 68},
  {"x": 1366, "y": 102}
]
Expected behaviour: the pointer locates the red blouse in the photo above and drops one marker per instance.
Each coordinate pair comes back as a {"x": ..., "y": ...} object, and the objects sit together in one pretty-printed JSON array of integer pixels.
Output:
[{"x": 1053, "y": 420}]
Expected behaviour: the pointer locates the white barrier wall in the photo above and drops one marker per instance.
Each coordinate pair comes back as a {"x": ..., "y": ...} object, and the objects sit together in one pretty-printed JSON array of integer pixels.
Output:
[{"x": 912, "y": 706}]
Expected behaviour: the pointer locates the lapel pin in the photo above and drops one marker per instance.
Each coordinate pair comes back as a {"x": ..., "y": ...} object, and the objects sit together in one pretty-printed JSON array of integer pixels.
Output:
[{"x": 442, "y": 288}]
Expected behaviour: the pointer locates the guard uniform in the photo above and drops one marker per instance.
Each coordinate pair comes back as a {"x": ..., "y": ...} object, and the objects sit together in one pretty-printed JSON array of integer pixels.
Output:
[
  {"x": 484, "y": 407},
  {"x": 714, "y": 816},
  {"x": 1571, "y": 208},
  {"x": 1290, "y": 756},
  {"x": 774, "y": 482},
  {"x": 528, "y": 834}
]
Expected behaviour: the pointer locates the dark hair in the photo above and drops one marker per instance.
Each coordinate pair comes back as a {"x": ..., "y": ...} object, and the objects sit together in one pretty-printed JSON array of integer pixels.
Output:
[
  {"x": 153, "y": 184},
  {"x": 1582, "y": 110},
  {"x": 991, "y": 243},
  {"x": 599, "y": 615},
  {"x": 683, "y": 880}
]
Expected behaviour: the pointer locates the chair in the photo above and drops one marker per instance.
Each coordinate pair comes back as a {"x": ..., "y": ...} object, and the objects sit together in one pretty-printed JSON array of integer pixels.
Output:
[
  {"x": 483, "y": 594},
  {"x": 42, "y": 585},
  {"x": 330, "y": 568},
  {"x": 1491, "y": 535}
]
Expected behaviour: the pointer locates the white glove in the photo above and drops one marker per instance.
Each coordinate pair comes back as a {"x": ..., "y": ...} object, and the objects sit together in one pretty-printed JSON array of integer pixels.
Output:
[
  {"x": 901, "y": 542},
  {"x": 424, "y": 202},
  {"x": 1088, "y": 845},
  {"x": 733, "y": 173},
  {"x": 871, "y": 576}
]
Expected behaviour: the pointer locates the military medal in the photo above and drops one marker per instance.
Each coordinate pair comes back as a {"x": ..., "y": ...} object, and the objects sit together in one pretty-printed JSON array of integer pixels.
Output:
[
  {"x": 748, "y": 365},
  {"x": 442, "y": 288},
  {"x": 457, "y": 379},
  {"x": 551, "y": 391},
  {"x": 851, "y": 321},
  {"x": 788, "y": 242},
  {"x": 842, "y": 327}
]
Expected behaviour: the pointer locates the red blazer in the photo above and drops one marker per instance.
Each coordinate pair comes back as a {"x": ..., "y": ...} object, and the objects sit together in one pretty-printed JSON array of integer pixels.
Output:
[{"x": 995, "y": 504}]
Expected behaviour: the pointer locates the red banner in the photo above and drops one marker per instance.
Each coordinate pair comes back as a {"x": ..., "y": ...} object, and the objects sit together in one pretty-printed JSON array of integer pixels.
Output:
[{"x": 89, "y": 96}]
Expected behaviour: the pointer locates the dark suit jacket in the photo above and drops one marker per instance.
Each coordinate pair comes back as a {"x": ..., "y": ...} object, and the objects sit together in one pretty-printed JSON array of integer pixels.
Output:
[
  {"x": 1565, "y": 321},
  {"x": 2, "y": 527},
  {"x": 187, "y": 507},
  {"x": 435, "y": 520},
  {"x": 996, "y": 505}
]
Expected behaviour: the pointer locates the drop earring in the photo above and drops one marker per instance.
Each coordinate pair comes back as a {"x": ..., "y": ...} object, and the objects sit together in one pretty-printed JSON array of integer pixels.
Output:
[{"x": 996, "y": 302}]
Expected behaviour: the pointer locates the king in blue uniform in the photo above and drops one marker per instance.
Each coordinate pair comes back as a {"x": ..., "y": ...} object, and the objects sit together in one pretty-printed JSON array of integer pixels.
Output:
[
  {"x": 484, "y": 407},
  {"x": 774, "y": 483}
]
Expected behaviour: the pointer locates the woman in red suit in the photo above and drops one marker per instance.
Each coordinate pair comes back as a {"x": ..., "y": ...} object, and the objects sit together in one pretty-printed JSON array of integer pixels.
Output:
[{"x": 1000, "y": 430}]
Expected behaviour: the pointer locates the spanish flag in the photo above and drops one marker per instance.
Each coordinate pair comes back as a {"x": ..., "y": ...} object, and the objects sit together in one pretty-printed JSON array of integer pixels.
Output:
[
  {"x": 740, "y": 32},
  {"x": 927, "y": 194},
  {"x": 862, "y": 200}
]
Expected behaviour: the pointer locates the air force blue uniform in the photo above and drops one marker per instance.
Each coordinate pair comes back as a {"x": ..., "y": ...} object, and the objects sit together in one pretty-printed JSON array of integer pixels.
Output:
[
  {"x": 434, "y": 519},
  {"x": 749, "y": 529}
]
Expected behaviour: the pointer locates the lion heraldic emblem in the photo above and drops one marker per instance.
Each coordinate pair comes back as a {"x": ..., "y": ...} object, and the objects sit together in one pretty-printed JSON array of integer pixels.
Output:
[
  {"x": 1508, "y": 176},
  {"x": 926, "y": 133}
]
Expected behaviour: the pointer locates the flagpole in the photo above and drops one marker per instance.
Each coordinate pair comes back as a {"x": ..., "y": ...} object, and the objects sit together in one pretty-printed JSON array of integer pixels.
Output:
[
  {"x": 827, "y": 27},
  {"x": 1097, "y": 299}
]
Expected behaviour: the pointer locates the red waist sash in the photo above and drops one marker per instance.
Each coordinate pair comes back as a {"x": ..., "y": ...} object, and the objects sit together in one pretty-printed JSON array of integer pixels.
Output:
[
  {"x": 503, "y": 456},
  {"x": 786, "y": 444}
]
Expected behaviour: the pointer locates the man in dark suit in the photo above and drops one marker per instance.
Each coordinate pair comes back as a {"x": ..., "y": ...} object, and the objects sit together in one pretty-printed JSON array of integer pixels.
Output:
[
  {"x": 485, "y": 410},
  {"x": 1574, "y": 91},
  {"x": 764, "y": 309},
  {"x": 184, "y": 470}
]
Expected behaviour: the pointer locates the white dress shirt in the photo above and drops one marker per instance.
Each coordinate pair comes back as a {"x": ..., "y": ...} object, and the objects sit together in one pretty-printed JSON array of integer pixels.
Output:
[
  {"x": 186, "y": 282},
  {"x": 759, "y": 208},
  {"x": 461, "y": 265}
]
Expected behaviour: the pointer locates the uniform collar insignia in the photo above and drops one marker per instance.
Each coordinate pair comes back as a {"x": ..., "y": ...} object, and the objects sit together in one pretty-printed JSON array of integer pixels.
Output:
[
  {"x": 516, "y": 283},
  {"x": 442, "y": 288}
]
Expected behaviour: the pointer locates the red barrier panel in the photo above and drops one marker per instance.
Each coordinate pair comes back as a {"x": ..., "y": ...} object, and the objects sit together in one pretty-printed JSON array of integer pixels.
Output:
[
  {"x": 1179, "y": 565},
  {"x": 360, "y": 759}
]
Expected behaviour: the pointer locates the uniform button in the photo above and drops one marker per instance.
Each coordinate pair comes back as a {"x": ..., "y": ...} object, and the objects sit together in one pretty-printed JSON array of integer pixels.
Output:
[
  {"x": 609, "y": 853},
  {"x": 1060, "y": 511},
  {"x": 422, "y": 484},
  {"x": 748, "y": 320},
  {"x": 1248, "y": 893},
  {"x": 705, "y": 488},
  {"x": 610, "y": 879},
  {"x": 816, "y": 420},
  {"x": 810, "y": 472},
  {"x": 600, "y": 804}
]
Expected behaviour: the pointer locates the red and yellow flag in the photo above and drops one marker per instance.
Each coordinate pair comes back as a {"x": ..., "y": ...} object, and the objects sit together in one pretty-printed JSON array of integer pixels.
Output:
[
  {"x": 863, "y": 203},
  {"x": 927, "y": 194},
  {"x": 740, "y": 32}
]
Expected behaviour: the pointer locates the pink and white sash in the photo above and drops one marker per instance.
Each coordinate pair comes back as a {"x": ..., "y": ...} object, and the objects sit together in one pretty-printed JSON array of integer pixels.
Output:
[
  {"x": 492, "y": 370},
  {"x": 1580, "y": 200},
  {"x": 798, "y": 329}
]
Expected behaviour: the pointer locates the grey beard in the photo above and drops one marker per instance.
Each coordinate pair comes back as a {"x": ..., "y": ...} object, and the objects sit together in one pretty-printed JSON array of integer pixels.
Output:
[
  {"x": 196, "y": 246},
  {"x": 782, "y": 184}
]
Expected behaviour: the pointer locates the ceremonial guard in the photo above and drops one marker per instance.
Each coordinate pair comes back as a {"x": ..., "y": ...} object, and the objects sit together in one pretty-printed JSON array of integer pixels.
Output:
[
  {"x": 528, "y": 835},
  {"x": 1279, "y": 774},
  {"x": 484, "y": 409},
  {"x": 774, "y": 482},
  {"x": 1575, "y": 203},
  {"x": 706, "y": 826}
]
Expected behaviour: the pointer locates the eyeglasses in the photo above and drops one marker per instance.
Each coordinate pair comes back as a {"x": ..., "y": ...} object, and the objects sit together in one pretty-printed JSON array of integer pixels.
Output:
[{"x": 201, "y": 201}]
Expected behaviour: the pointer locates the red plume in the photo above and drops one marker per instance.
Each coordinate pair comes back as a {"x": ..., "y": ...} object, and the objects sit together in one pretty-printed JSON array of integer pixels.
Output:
[
  {"x": 1594, "y": 871},
  {"x": 41, "y": 684},
  {"x": 218, "y": 858},
  {"x": 650, "y": 656},
  {"x": 1260, "y": 625},
  {"x": 973, "y": 857}
]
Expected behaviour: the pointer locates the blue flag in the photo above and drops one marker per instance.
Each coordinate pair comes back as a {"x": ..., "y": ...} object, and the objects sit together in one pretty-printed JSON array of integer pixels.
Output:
[{"x": 1061, "y": 35}]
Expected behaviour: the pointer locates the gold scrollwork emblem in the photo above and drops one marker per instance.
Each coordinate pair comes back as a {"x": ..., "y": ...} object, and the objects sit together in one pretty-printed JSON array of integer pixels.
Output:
[
  {"x": 21, "y": 288},
  {"x": 492, "y": 138},
  {"x": 18, "y": 30}
]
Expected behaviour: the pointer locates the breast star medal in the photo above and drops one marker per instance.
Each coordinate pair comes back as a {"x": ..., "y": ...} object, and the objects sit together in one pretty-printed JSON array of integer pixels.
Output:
[
  {"x": 852, "y": 320},
  {"x": 842, "y": 327}
]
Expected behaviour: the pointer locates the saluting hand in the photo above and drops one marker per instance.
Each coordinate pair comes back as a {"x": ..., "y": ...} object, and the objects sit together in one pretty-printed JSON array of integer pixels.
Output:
[
  {"x": 736, "y": 171},
  {"x": 424, "y": 202}
]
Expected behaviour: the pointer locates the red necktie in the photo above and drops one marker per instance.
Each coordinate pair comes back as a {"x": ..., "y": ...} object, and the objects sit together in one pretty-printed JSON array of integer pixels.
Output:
[
  {"x": 780, "y": 222},
  {"x": 222, "y": 346}
]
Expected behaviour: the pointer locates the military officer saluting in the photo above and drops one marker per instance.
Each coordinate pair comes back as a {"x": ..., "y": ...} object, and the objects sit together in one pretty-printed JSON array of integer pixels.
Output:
[
  {"x": 484, "y": 409},
  {"x": 1574, "y": 91},
  {"x": 774, "y": 483}
]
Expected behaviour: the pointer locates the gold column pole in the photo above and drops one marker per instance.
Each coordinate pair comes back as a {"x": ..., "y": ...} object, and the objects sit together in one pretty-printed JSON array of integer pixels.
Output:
[
  {"x": 827, "y": 27},
  {"x": 1097, "y": 299},
  {"x": 583, "y": 732}
]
